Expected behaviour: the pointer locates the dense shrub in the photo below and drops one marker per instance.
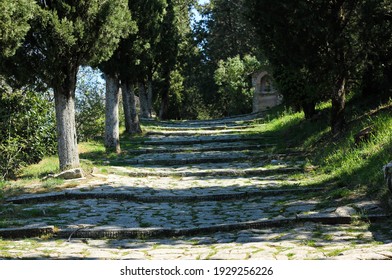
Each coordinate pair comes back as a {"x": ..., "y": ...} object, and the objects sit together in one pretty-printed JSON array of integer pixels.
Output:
[{"x": 27, "y": 130}]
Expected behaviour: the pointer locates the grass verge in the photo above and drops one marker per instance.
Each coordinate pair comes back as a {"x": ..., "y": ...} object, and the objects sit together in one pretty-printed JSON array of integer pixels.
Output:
[
  {"x": 33, "y": 178},
  {"x": 349, "y": 165}
]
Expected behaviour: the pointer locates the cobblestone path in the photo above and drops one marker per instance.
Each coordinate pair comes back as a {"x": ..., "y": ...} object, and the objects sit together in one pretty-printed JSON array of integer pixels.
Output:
[{"x": 198, "y": 190}]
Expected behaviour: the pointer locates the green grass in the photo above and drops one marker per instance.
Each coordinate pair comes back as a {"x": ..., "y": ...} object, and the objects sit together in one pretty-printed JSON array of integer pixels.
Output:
[
  {"x": 310, "y": 243},
  {"x": 351, "y": 169},
  {"x": 48, "y": 165},
  {"x": 33, "y": 178},
  {"x": 335, "y": 253},
  {"x": 52, "y": 183},
  {"x": 290, "y": 256}
]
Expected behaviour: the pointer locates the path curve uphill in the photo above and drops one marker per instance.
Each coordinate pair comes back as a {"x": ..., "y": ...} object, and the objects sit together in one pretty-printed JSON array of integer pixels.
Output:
[{"x": 198, "y": 190}]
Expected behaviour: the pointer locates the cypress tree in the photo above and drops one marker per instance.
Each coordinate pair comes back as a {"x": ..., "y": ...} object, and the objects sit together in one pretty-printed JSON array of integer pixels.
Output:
[
  {"x": 14, "y": 24},
  {"x": 65, "y": 34}
]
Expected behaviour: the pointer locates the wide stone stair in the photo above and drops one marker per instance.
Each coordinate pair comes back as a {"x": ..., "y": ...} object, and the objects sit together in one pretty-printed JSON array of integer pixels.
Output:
[{"x": 189, "y": 179}]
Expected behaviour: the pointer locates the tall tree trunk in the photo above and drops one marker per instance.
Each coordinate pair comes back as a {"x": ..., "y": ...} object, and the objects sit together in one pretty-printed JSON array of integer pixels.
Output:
[
  {"x": 126, "y": 106},
  {"x": 131, "y": 118},
  {"x": 64, "y": 96},
  {"x": 143, "y": 101},
  {"x": 164, "y": 112},
  {"x": 149, "y": 97},
  {"x": 309, "y": 108},
  {"x": 112, "y": 131},
  {"x": 338, "y": 107}
]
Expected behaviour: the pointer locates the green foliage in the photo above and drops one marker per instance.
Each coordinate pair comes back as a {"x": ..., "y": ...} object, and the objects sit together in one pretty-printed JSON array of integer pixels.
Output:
[
  {"x": 361, "y": 164},
  {"x": 139, "y": 50},
  {"x": 175, "y": 95},
  {"x": 225, "y": 31},
  {"x": 222, "y": 33},
  {"x": 376, "y": 35},
  {"x": 194, "y": 105},
  {"x": 233, "y": 77},
  {"x": 81, "y": 32},
  {"x": 316, "y": 47},
  {"x": 14, "y": 24},
  {"x": 27, "y": 130},
  {"x": 90, "y": 105},
  {"x": 356, "y": 166},
  {"x": 66, "y": 34},
  {"x": 168, "y": 54}
]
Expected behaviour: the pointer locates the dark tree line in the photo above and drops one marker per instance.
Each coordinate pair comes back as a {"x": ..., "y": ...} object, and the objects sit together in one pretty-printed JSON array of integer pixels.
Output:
[
  {"x": 43, "y": 44},
  {"x": 318, "y": 50}
]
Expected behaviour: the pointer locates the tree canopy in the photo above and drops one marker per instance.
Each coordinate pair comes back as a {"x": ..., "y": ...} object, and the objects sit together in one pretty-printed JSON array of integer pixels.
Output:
[
  {"x": 64, "y": 35},
  {"x": 14, "y": 24},
  {"x": 316, "y": 50}
]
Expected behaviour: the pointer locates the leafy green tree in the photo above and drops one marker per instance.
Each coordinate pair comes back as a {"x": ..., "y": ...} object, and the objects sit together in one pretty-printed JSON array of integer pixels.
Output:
[
  {"x": 376, "y": 38},
  {"x": 64, "y": 35},
  {"x": 282, "y": 36},
  {"x": 14, "y": 24},
  {"x": 233, "y": 77},
  {"x": 27, "y": 130},
  {"x": 145, "y": 49},
  {"x": 317, "y": 40},
  {"x": 187, "y": 90},
  {"x": 223, "y": 32},
  {"x": 178, "y": 73},
  {"x": 226, "y": 32},
  {"x": 133, "y": 61},
  {"x": 168, "y": 54}
]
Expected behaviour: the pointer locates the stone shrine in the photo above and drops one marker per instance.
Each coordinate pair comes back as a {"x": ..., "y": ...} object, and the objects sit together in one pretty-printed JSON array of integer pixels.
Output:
[{"x": 265, "y": 94}]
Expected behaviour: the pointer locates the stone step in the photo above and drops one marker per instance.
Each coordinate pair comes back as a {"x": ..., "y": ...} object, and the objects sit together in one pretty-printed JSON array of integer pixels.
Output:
[
  {"x": 233, "y": 127},
  {"x": 106, "y": 218},
  {"x": 213, "y": 171},
  {"x": 237, "y": 126},
  {"x": 149, "y": 233},
  {"x": 110, "y": 232},
  {"x": 26, "y": 232},
  {"x": 71, "y": 213},
  {"x": 194, "y": 132},
  {"x": 185, "y": 158},
  {"x": 205, "y": 124},
  {"x": 216, "y": 146},
  {"x": 118, "y": 181},
  {"x": 190, "y": 158},
  {"x": 235, "y": 120},
  {"x": 188, "y": 140},
  {"x": 130, "y": 196}
]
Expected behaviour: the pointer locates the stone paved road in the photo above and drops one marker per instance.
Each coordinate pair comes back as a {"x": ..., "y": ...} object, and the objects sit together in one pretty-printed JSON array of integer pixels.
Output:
[{"x": 195, "y": 198}]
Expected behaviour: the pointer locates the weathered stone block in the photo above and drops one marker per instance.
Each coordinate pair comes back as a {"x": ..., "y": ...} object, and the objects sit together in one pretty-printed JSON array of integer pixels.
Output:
[
  {"x": 345, "y": 211},
  {"x": 76, "y": 173}
]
